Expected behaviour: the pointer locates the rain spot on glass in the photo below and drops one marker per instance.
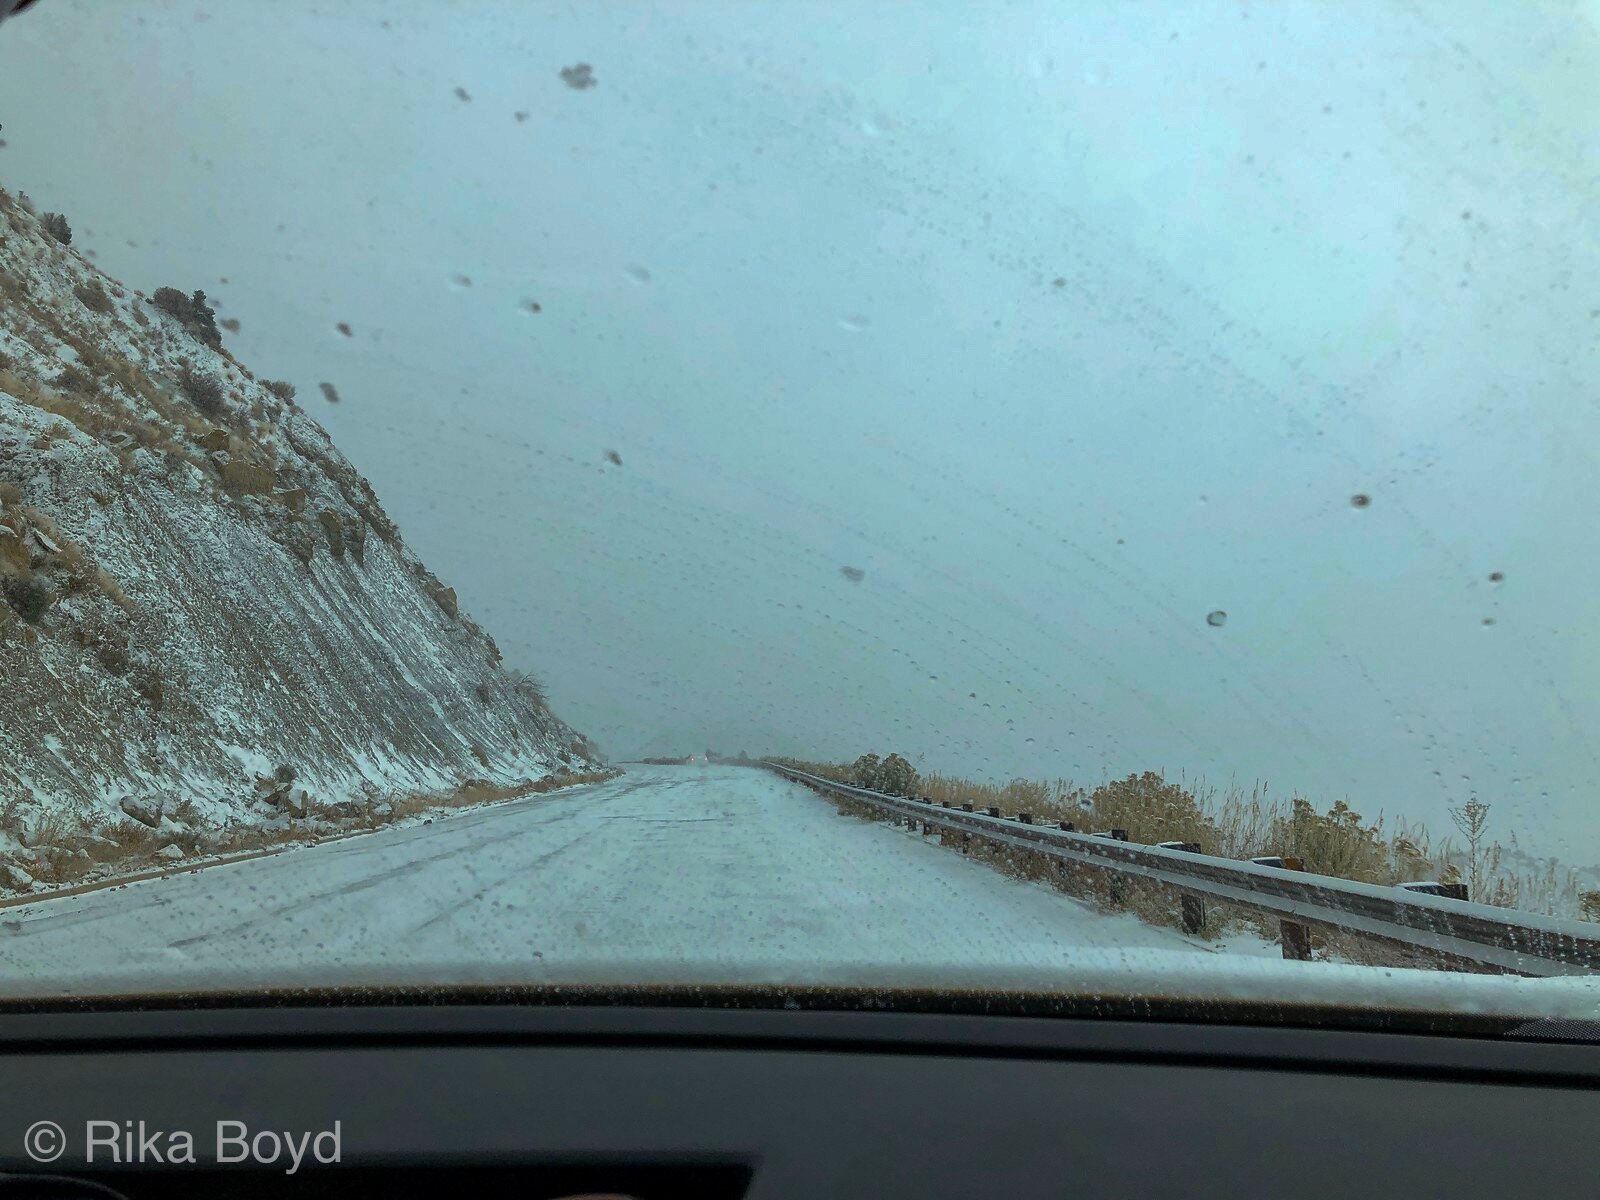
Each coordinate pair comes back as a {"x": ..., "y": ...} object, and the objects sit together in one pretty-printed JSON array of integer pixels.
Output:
[
  {"x": 520, "y": 116},
  {"x": 461, "y": 281},
  {"x": 638, "y": 274},
  {"x": 613, "y": 458},
  {"x": 579, "y": 76},
  {"x": 1216, "y": 618},
  {"x": 853, "y": 574},
  {"x": 328, "y": 393},
  {"x": 1360, "y": 500},
  {"x": 1059, "y": 282},
  {"x": 532, "y": 306},
  {"x": 231, "y": 324},
  {"x": 1497, "y": 576},
  {"x": 461, "y": 94},
  {"x": 1488, "y": 620},
  {"x": 855, "y": 323},
  {"x": 344, "y": 328}
]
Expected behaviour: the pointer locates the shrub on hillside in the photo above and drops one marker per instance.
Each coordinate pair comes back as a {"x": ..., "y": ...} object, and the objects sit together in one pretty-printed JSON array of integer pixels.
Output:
[
  {"x": 73, "y": 378},
  {"x": 93, "y": 296},
  {"x": 28, "y": 596},
  {"x": 281, "y": 388},
  {"x": 528, "y": 686},
  {"x": 56, "y": 226},
  {"x": 198, "y": 317},
  {"x": 203, "y": 391}
]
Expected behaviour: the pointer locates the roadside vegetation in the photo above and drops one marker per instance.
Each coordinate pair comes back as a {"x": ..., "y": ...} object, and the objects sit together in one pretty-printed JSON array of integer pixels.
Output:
[{"x": 1237, "y": 823}]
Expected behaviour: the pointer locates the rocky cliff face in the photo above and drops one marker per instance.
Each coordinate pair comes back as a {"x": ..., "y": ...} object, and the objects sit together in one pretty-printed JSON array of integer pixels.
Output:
[{"x": 199, "y": 591}]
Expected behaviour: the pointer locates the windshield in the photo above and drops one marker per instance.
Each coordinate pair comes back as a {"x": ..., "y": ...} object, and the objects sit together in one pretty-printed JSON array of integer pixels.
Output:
[{"x": 1087, "y": 498}]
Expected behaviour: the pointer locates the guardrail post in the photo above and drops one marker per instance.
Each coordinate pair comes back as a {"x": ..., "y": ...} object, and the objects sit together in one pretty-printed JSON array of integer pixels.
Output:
[
  {"x": 1194, "y": 913},
  {"x": 1025, "y": 818},
  {"x": 1296, "y": 938},
  {"x": 993, "y": 812}
]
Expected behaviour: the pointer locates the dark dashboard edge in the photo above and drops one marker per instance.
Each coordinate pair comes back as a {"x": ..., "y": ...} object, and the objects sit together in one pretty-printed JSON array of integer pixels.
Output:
[{"x": 1237, "y": 1046}]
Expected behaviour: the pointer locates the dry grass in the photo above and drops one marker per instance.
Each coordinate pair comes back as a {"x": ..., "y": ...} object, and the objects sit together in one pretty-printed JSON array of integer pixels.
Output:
[{"x": 1240, "y": 824}]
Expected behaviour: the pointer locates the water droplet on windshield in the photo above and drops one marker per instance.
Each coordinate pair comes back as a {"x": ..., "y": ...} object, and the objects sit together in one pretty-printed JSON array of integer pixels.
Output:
[
  {"x": 461, "y": 94},
  {"x": 853, "y": 574},
  {"x": 532, "y": 306},
  {"x": 579, "y": 76},
  {"x": 1496, "y": 576},
  {"x": 854, "y": 323},
  {"x": 639, "y": 274},
  {"x": 1216, "y": 618},
  {"x": 462, "y": 281},
  {"x": 344, "y": 328},
  {"x": 1360, "y": 500},
  {"x": 328, "y": 393}
]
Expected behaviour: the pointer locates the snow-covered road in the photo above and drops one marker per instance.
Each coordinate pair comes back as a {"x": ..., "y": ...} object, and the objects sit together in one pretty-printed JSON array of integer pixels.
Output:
[
  {"x": 666, "y": 875},
  {"x": 702, "y": 864}
]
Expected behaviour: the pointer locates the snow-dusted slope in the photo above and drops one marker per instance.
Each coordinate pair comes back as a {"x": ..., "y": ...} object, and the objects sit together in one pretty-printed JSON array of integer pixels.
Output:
[{"x": 195, "y": 592}]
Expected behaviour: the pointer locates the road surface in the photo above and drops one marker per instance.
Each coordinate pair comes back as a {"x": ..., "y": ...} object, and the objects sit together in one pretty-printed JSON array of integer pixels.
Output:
[
  {"x": 700, "y": 864},
  {"x": 682, "y": 876}
]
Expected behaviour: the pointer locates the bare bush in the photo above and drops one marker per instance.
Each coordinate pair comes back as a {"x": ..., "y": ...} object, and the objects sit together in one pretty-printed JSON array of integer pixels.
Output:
[
  {"x": 93, "y": 296},
  {"x": 202, "y": 391}
]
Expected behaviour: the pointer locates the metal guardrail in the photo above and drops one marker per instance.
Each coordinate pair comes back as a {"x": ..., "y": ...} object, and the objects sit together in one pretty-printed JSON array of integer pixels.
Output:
[{"x": 1519, "y": 943}]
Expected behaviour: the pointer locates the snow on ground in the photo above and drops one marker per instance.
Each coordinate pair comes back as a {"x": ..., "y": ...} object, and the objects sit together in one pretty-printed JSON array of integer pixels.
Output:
[{"x": 665, "y": 875}]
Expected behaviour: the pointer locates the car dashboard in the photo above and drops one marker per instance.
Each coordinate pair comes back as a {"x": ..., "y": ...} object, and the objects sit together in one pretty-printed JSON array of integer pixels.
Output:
[{"x": 383, "y": 1096}]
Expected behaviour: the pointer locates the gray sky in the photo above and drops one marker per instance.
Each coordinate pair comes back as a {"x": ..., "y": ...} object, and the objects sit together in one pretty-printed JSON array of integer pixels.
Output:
[{"x": 1066, "y": 324}]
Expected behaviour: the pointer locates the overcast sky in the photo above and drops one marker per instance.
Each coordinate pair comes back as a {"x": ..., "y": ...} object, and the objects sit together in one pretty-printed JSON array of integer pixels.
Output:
[{"x": 1066, "y": 325}]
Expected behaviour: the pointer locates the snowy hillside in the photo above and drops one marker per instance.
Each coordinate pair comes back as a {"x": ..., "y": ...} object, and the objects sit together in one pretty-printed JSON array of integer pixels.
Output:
[{"x": 203, "y": 599}]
